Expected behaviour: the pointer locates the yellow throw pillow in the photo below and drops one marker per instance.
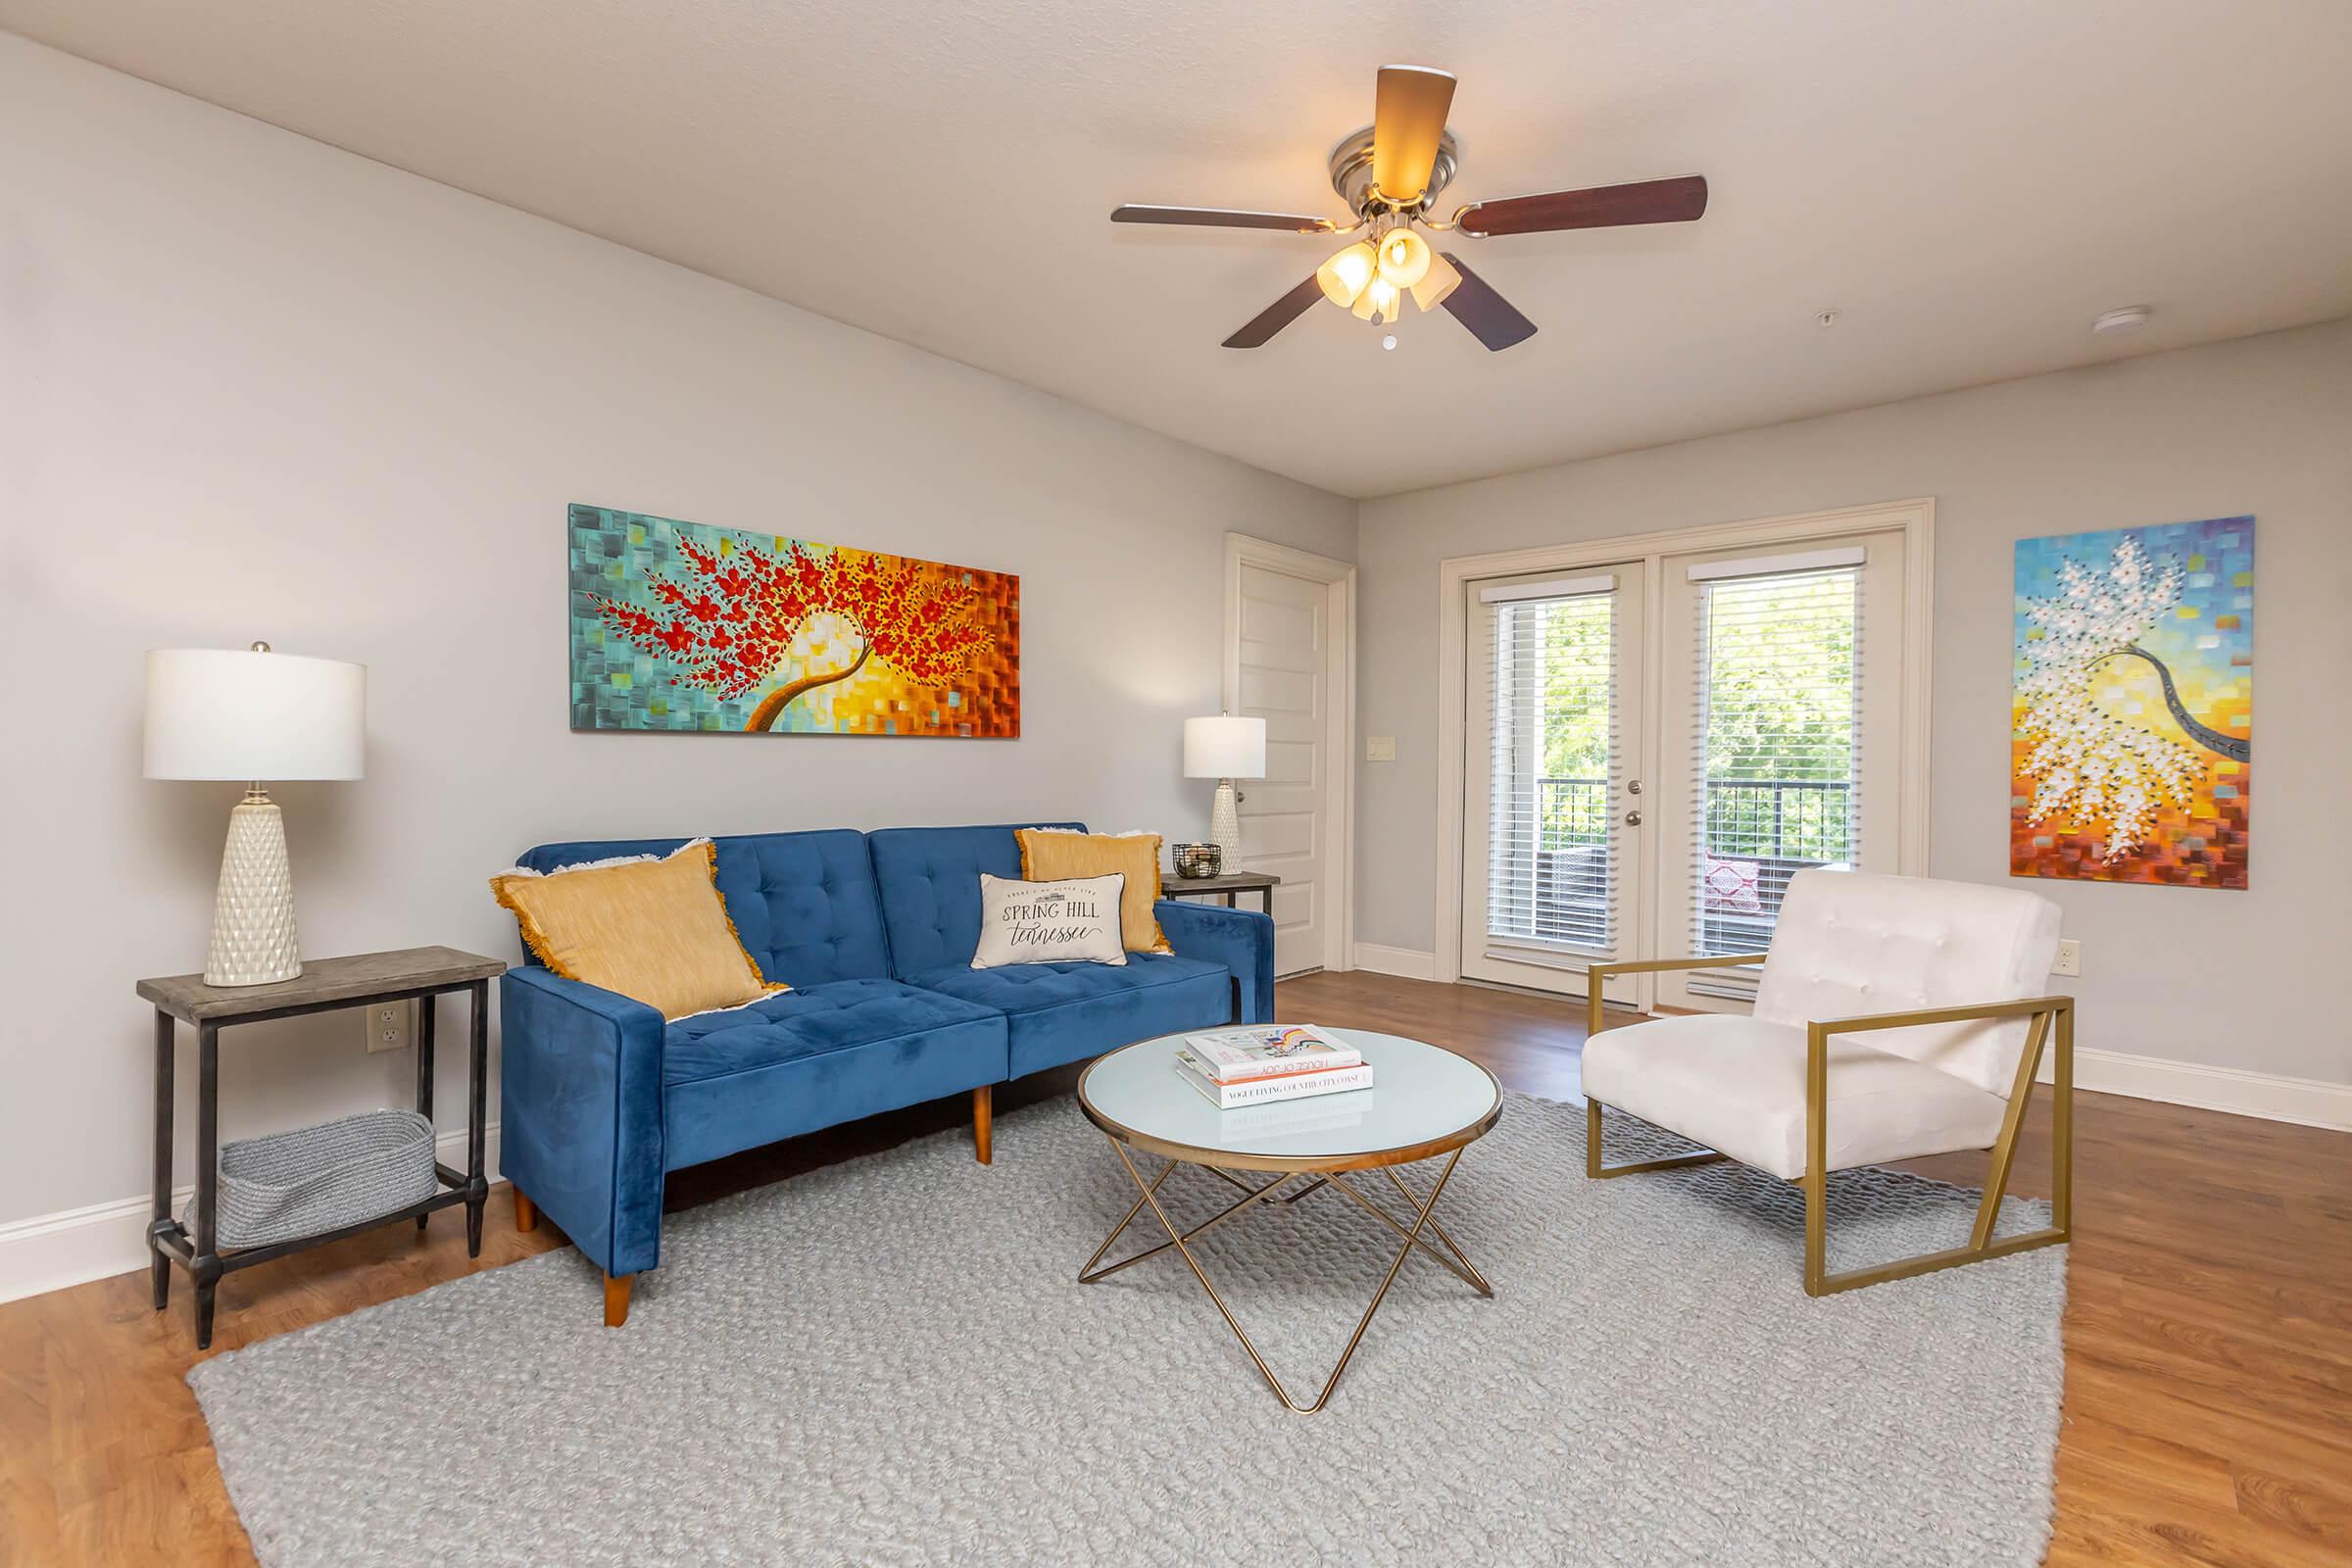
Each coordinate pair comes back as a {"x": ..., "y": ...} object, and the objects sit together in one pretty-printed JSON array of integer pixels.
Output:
[
  {"x": 653, "y": 929},
  {"x": 1050, "y": 855}
]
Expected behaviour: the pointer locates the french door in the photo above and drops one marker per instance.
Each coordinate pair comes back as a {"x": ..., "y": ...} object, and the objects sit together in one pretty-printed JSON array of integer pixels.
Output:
[
  {"x": 1552, "y": 873},
  {"x": 1652, "y": 748}
]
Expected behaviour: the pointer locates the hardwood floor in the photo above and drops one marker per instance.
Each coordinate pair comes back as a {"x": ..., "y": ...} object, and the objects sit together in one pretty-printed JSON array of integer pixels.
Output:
[{"x": 2208, "y": 1414}]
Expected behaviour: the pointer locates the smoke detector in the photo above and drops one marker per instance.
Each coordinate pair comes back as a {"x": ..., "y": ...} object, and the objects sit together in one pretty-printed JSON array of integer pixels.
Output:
[{"x": 2127, "y": 318}]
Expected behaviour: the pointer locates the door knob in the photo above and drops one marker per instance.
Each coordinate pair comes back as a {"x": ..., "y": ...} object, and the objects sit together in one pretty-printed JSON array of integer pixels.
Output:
[{"x": 1633, "y": 819}]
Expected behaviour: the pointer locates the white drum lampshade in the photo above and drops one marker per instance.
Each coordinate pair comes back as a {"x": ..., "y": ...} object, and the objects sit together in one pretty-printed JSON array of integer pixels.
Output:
[
  {"x": 256, "y": 715},
  {"x": 1225, "y": 747}
]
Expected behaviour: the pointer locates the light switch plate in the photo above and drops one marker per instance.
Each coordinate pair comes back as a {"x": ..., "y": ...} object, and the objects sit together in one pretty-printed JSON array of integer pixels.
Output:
[
  {"x": 1380, "y": 748},
  {"x": 391, "y": 1025},
  {"x": 2070, "y": 958}
]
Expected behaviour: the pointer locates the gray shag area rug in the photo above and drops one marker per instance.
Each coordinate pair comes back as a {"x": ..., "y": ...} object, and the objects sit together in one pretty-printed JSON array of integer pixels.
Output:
[{"x": 889, "y": 1361}]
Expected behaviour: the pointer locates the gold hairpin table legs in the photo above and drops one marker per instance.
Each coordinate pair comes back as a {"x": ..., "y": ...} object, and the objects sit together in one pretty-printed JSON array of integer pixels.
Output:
[{"x": 1421, "y": 1220}]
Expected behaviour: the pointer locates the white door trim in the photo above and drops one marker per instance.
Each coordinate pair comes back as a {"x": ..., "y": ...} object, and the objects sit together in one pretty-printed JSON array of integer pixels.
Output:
[
  {"x": 1916, "y": 518},
  {"x": 1339, "y": 736}
]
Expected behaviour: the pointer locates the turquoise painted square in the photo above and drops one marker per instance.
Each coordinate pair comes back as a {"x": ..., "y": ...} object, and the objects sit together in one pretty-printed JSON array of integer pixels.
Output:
[{"x": 616, "y": 555}]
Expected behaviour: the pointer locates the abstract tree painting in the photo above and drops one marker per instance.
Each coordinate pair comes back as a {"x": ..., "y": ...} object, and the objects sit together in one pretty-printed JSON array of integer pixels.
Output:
[
  {"x": 679, "y": 626},
  {"x": 2133, "y": 742}
]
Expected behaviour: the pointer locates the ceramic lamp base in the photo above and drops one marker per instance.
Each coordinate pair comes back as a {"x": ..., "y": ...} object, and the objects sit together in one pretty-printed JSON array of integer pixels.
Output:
[
  {"x": 253, "y": 914},
  {"x": 1225, "y": 827}
]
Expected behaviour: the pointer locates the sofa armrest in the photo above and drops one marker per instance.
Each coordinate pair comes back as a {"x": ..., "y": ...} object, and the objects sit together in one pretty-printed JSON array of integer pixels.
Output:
[
  {"x": 1241, "y": 940},
  {"x": 580, "y": 1113}
]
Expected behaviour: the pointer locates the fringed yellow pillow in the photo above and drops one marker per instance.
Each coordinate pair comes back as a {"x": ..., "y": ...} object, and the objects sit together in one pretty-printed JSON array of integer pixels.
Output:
[
  {"x": 1051, "y": 854},
  {"x": 654, "y": 928}
]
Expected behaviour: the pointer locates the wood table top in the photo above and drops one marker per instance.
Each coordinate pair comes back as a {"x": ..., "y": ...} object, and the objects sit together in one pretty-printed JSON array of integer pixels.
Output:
[
  {"x": 1171, "y": 884},
  {"x": 322, "y": 982}
]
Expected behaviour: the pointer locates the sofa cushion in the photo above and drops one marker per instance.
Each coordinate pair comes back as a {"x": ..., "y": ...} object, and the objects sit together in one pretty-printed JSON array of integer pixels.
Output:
[
  {"x": 654, "y": 930},
  {"x": 816, "y": 1057},
  {"x": 929, "y": 881},
  {"x": 802, "y": 902},
  {"x": 1060, "y": 1012},
  {"x": 1738, "y": 1085}
]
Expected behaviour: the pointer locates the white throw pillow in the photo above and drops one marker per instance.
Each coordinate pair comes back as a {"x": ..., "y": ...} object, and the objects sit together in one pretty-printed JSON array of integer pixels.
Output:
[{"x": 1076, "y": 921}]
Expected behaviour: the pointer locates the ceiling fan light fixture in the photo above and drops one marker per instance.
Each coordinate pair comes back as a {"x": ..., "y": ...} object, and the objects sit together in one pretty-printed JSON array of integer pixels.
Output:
[
  {"x": 1404, "y": 257},
  {"x": 1438, "y": 282},
  {"x": 1378, "y": 301},
  {"x": 1345, "y": 276}
]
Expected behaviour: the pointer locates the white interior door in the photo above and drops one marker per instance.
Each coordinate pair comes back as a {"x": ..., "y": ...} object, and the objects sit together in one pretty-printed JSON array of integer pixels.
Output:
[
  {"x": 1553, "y": 863},
  {"x": 1284, "y": 675}
]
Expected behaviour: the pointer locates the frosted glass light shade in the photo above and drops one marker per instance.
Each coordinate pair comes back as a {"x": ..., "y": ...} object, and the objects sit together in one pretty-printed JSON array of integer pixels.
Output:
[
  {"x": 1225, "y": 747},
  {"x": 223, "y": 714},
  {"x": 1404, "y": 257},
  {"x": 1346, "y": 273},
  {"x": 1440, "y": 280}
]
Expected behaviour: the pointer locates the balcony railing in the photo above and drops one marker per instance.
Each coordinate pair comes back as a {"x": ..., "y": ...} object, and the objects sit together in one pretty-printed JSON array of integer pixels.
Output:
[
  {"x": 1781, "y": 826},
  {"x": 1803, "y": 820}
]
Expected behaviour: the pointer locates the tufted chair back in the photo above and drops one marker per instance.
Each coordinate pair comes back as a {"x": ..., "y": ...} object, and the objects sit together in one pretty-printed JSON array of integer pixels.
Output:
[
  {"x": 803, "y": 902},
  {"x": 930, "y": 883},
  {"x": 1848, "y": 942}
]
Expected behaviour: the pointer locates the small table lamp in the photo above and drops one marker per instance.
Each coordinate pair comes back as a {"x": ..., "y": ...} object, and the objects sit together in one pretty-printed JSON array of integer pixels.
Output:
[
  {"x": 217, "y": 714},
  {"x": 1225, "y": 749}
]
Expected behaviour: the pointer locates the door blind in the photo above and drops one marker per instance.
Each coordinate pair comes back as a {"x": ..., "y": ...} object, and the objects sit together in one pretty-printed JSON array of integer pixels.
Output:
[
  {"x": 1553, "y": 853},
  {"x": 1779, "y": 759}
]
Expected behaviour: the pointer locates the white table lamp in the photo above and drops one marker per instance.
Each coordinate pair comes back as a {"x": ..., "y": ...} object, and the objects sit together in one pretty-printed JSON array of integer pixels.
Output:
[
  {"x": 218, "y": 713},
  {"x": 1225, "y": 747}
]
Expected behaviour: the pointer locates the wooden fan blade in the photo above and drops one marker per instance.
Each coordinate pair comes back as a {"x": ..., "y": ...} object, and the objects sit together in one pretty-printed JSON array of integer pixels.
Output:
[
  {"x": 1650, "y": 201},
  {"x": 1222, "y": 218},
  {"x": 1408, "y": 116},
  {"x": 1277, "y": 315},
  {"x": 1492, "y": 320}
]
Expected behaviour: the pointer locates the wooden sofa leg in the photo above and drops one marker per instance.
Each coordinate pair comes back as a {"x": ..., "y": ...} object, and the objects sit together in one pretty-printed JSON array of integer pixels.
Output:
[
  {"x": 526, "y": 1213},
  {"x": 617, "y": 1299},
  {"x": 984, "y": 1101}
]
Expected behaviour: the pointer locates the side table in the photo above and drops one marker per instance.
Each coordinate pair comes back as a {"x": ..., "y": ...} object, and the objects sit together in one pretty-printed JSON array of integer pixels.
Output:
[
  {"x": 1229, "y": 883},
  {"x": 325, "y": 984}
]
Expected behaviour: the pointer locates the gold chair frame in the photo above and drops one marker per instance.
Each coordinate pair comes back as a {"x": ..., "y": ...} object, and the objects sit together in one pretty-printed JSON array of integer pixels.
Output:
[{"x": 2050, "y": 1015}]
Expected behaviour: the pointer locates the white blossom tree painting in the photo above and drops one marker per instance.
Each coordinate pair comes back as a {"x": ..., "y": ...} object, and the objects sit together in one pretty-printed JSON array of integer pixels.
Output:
[{"x": 2132, "y": 751}]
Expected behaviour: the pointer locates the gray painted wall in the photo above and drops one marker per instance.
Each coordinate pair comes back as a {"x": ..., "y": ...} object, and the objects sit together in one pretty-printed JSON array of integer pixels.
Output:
[
  {"x": 2260, "y": 425},
  {"x": 252, "y": 386}
]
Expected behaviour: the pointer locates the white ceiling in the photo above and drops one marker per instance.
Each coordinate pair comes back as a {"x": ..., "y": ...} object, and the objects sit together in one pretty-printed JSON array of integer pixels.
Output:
[{"x": 1967, "y": 183}]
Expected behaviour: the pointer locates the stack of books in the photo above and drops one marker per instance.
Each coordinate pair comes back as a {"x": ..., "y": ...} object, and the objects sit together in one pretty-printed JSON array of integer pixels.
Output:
[{"x": 1266, "y": 1062}]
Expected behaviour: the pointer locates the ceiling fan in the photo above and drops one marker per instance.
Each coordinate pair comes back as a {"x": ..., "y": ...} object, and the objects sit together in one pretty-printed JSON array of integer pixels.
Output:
[{"x": 1388, "y": 173}]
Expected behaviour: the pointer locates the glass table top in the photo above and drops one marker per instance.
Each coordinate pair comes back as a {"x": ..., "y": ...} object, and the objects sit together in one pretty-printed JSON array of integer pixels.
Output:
[{"x": 1423, "y": 1100}]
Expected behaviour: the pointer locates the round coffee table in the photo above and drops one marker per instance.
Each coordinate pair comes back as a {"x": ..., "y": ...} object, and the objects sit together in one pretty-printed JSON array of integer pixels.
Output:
[{"x": 1425, "y": 1101}]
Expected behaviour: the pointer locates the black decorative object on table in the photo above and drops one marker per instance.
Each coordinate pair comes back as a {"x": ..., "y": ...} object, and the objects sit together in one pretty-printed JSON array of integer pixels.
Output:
[
  {"x": 324, "y": 984},
  {"x": 1197, "y": 861}
]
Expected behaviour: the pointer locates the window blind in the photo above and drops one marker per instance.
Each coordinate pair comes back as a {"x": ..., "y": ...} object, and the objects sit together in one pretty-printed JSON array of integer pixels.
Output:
[
  {"x": 1553, "y": 852},
  {"x": 1778, "y": 750}
]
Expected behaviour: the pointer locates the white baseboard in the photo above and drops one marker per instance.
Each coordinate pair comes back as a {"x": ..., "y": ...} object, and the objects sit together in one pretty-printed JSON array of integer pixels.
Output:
[
  {"x": 50, "y": 1251},
  {"x": 2305, "y": 1102},
  {"x": 1404, "y": 962}
]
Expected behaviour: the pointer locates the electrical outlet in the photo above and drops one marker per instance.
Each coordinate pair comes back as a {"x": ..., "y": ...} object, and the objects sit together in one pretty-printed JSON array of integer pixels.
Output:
[
  {"x": 1380, "y": 748},
  {"x": 391, "y": 1025},
  {"x": 2070, "y": 958}
]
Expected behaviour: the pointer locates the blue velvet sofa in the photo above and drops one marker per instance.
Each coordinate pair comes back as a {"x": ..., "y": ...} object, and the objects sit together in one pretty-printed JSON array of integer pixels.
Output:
[{"x": 874, "y": 932}]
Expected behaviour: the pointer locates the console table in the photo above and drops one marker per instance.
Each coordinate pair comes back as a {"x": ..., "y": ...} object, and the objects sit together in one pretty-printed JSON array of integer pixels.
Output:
[{"x": 325, "y": 984}]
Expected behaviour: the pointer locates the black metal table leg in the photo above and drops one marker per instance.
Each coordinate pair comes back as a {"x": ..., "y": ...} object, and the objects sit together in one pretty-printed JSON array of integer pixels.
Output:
[
  {"x": 205, "y": 1265},
  {"x": 159, "y": 1264},
  {"x": 1267, "y": 893},
  {"x": 424, "y": 1066},
  {"x": 477, "y": 1181},
  {"x": 1229, "y": 898}
]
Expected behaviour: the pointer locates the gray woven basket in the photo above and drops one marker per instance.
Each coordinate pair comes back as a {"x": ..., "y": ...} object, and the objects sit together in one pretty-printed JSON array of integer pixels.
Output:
[{"x": 283, "y": 1186}]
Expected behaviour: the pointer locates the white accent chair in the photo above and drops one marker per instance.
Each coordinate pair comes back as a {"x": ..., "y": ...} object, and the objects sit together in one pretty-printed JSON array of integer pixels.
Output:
[{"x": 1945, "y": 979}]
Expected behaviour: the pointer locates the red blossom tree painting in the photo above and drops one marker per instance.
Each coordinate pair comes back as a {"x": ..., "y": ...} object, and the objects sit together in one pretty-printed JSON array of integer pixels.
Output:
[{"x": 726, "y": 622}]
